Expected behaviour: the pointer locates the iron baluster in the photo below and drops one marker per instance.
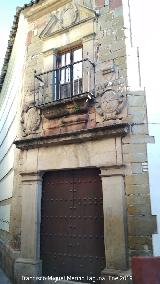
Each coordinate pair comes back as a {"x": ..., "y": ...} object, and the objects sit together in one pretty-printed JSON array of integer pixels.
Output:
[{"x": 64, "y": 82}]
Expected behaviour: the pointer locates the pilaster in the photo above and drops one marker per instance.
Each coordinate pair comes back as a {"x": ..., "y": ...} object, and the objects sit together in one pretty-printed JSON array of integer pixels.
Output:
[
  {"x": 29, "y": 263},
  {"x": 114, "y": 207}
]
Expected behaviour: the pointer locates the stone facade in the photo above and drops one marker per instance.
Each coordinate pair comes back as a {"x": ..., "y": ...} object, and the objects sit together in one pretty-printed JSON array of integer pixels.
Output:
[{"x": 104, "y": 127}]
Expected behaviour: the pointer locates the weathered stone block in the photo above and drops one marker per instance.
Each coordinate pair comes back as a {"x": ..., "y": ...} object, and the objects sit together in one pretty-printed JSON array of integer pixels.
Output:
[
  {"x": 120, "y": 52},
  {"x": 137, "y": 93},
  {"x": 138, "y": 148},
  {"x": 118, "y": 45},
  {"x": 138, "y": 139},
  {"x": 142, "y": 189},
  {"x": 137, "y": 118},
  {"x": 138, "y": 199},
  {"x": 134, "y": 157},
  {"x": 134, "y": 100},
  {"x": 140, "y": 209},
  {"x": 140, "y": 129},
  {"x": 140, "y": 242},
  {"x": 141, "y": 225},
  {"x": 137, "y": 179},
  {"x": 120, "y": 60},
  {"x": 137, "y": 109},
  {"x": 136, "y": 168}
]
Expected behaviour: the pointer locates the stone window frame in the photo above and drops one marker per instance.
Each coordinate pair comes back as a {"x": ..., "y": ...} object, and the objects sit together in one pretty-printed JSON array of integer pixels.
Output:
[{"x": 51, "y": 57}]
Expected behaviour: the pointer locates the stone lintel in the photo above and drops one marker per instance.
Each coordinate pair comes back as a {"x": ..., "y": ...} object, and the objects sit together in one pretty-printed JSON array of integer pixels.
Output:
[
  {"x": 80, "y": 136},
  {"x": 113, "y": 170},
  {"x": 52, "y": 51},
  {"x": 31, "y": 176}
]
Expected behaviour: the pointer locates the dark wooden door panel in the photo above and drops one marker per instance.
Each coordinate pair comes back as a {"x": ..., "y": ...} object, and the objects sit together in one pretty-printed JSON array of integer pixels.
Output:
[{"x": 72, "y": 241}]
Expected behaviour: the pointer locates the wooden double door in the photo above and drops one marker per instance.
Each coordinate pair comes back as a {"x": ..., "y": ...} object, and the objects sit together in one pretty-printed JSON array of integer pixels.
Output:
[{"x": 72, "y": 224}]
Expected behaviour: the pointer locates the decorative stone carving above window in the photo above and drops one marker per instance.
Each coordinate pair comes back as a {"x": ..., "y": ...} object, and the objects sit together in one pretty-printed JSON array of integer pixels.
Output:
[
  {"x": 69, "y": 15},
  {"x": 66, "y": 17}
]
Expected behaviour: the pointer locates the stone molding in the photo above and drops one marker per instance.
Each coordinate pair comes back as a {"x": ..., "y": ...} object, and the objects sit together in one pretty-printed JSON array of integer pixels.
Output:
[
  {"x": 52, "y": 51},
  {"x": 31, "y": 177},
  {"x": 38, "y": 11},
  {"x": 73, "y": 137},
  {"x": 88, "y": 37},
  {"x": 66, "y": 107},
  {"x": 28, "y": 260},
  {"x": 70, "y": 15},
  {"x": 113, "y": 170}
]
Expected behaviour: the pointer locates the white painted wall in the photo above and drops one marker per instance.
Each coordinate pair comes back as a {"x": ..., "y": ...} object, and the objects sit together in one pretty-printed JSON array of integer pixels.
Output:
[
  {"x": 4, "y": 217},
  {"x": 6, "y": 188},
  {"x": 10, "y": 98}
]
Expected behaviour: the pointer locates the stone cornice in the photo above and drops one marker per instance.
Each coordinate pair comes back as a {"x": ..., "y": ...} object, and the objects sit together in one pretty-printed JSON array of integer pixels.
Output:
[
  {"x": 73, "y": 137},
  {"x": 44, "y": 8}
]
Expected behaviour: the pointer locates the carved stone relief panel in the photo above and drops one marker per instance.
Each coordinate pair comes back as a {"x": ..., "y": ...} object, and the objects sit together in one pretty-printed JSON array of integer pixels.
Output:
[
  {"x": 66, "y": 17},
  {"x": 111, "y": 101},
  {"x": 30, "y": 119},
  {"x": 69, "y": 15}
]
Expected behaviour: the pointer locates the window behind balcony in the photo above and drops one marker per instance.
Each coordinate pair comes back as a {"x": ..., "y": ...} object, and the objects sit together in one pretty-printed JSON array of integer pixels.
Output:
[
  {"x": 72, "y": 75},
  {"x": 68, "y": 74}
]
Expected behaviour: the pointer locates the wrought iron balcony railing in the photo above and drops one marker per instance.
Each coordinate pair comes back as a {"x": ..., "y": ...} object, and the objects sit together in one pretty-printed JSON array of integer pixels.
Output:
[{"x": 64, "y": 83}]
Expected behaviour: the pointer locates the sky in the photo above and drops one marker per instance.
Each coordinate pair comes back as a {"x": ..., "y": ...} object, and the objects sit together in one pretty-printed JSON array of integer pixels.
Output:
[{"x": 145, "y": 26}]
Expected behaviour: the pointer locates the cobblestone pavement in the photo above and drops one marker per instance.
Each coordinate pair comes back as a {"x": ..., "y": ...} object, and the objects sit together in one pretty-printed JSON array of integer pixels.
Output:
[{"x": 3, "y": 278}]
